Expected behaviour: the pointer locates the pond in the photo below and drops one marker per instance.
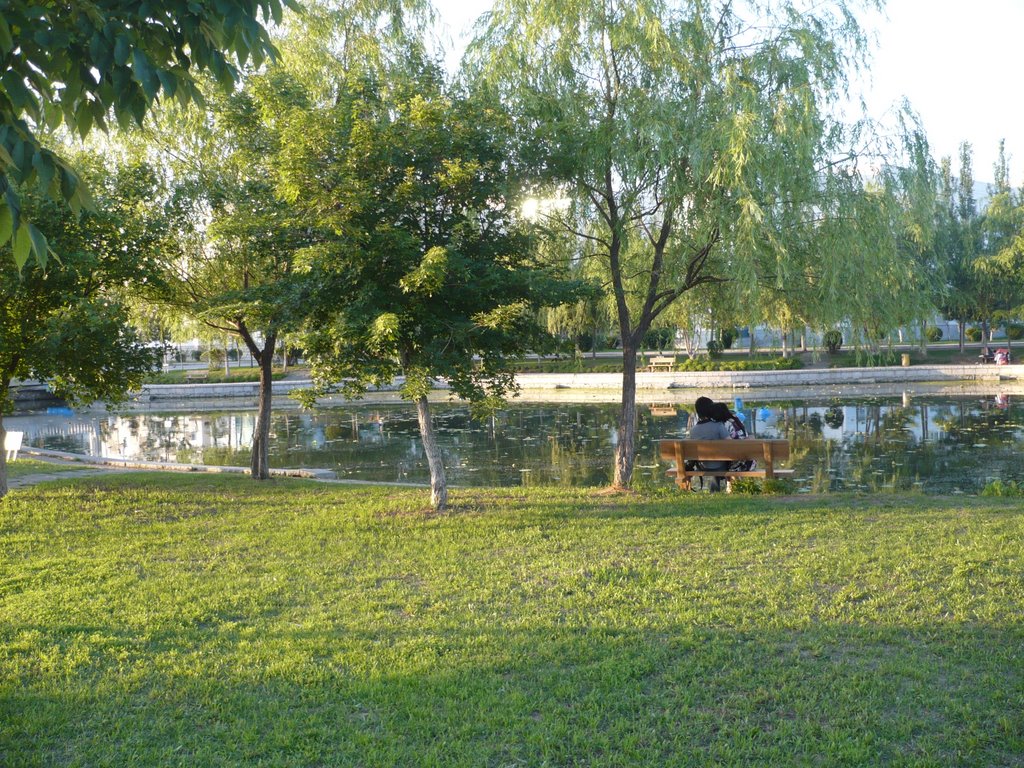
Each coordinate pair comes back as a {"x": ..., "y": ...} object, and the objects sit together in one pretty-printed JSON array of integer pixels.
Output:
[{"x": 939, "y": 444}]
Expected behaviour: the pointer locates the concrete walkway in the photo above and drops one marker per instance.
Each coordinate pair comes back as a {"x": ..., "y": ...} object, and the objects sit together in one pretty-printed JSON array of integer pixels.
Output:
[{"x": 84, "y": 466}]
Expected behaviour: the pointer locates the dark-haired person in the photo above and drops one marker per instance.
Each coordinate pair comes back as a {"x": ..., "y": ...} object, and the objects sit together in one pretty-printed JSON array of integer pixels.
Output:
[
  {"x": 736, "y": 431},
  {"x": 707, "y": 428}
]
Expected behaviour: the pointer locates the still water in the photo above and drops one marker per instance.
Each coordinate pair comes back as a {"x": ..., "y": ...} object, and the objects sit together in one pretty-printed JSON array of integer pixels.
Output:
[{"x": 937, "y": 444}]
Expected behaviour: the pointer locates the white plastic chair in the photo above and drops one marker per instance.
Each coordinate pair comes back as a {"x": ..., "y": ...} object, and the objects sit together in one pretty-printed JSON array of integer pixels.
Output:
[{"x": 12, "y": 444}]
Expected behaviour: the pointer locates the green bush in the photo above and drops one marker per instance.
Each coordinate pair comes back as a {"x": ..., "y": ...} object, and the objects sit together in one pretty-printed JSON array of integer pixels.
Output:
[
  {"x": 834, "y": 416},
  {"x": 1014, "y": 331},
  {"x": 833, "y": 341},
  {"x": 709, "y": 364},
  {"x": 973, "y": 334},
  {"x": 933, "y": 334},
  {"x": 659, "y": 338},
  {"x": 728, "y": 336},
  {"x": 999, "y": 488},
  {"x": 714, "y": 348}
]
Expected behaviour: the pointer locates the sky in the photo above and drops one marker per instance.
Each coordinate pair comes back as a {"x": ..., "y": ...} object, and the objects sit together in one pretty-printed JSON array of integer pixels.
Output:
[{"x": 956, "y": 61}]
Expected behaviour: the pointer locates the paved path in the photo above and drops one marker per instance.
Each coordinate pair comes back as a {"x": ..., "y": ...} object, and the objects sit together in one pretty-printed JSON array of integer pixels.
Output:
[{"x": 24, "y": 481}]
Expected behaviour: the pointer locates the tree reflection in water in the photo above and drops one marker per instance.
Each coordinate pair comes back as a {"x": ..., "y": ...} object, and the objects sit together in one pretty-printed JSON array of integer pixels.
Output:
[{"x": 939, "y": 445}]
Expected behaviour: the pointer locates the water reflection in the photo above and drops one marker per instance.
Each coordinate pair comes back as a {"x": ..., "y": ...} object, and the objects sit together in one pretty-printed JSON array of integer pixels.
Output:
[{"x": 937, "y": 444}]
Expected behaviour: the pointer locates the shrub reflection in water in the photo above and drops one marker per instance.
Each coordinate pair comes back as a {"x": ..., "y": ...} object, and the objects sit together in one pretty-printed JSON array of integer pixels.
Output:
[{"x": 935, "y": 444}]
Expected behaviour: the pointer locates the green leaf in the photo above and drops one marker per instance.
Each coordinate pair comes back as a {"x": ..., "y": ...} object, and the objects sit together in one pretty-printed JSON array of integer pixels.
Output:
[
  {"x": 6, "y": 222},
  {"x": 39, "y": 245},
  {"x": 6, "y": 42},
  {"x": 145, "y": 75},
  {"x": 122, "y": 49},
  {"x": 22, "y": 245},
  {"x": 45, "y": 170}
]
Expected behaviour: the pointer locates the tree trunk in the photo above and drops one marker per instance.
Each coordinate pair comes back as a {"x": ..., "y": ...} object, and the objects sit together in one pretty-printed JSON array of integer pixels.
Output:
[
  {"x": 259, "y": 466},
  {"x": 751, "y": 342},
  {"x": 438, "y": 481},
  {"x": 624, "y": 451},
  {"x": 227, "y": 360},
  {"x": 284, "y": 356},
  {"x": 960, "y": 324},
  {"x": 3, "y": 459},
  {"x": 785, "y": 345}
]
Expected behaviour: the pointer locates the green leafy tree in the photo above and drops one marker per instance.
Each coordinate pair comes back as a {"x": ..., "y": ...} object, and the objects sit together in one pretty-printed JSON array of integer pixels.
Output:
[
  {"x": 427, "y": 274},
  {"x": 233, "y": 242},
  {"x": 66, "y": 324},
  {"x": 79, "y": 63},
  {"x": 1001, "y": 224},
  {"x": 696, "y": 146}
]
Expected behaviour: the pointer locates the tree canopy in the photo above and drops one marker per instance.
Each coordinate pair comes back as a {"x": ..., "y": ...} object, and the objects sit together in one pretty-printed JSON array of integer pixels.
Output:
[
  {"x": 79, "y": 63},
  {"x": 696, "y": 144},
  {"x": 423, "y": 272},
  {"x": 67, "y": 324}
]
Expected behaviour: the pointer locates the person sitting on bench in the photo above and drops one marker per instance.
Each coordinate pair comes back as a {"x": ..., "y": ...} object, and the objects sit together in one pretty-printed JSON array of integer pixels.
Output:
[
  {"x": 707, "y": 428},
  {"x": 736, "y": 432}
]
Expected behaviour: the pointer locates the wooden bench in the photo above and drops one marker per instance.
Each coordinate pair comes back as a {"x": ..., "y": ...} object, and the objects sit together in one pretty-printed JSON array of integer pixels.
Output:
[
  {"x": 191, "y": 376},
  {"x": 12, "y": 444},
  {"x": 661, "y": 364},
  {"x": 765, "y": 452}
]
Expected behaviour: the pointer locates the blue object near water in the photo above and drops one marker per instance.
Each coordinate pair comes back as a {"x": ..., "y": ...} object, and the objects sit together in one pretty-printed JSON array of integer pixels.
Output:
[
  {"x": 737, "y": 404},
  {"x": 764, "y": 413}
]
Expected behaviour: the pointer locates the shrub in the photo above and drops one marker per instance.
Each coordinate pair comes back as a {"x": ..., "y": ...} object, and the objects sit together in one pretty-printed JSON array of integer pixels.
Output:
[
  {"x": 999, "y": 488},
  {"x": 714, "y": 348},
  {"x": 833, "y": 341},
  {"x": 584, "y": 341},
  {"x": 933, "y": 334},
  {"x": 1014, "y": 331},
  {"x": 973, "y": 334},
  {"x": 834, "y": 417},
  {"x": 709, "y": 364},
  {"x": 728, "y": 336},
  {"x": 658, "y": 338}
]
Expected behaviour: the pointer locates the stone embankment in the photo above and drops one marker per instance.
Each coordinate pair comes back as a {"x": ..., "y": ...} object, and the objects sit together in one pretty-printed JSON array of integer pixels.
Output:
[{"x": 654, "y": 382}]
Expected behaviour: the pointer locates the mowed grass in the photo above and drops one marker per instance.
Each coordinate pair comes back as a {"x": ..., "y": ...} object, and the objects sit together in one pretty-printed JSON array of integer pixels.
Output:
[{"x": 211, "y": 621}]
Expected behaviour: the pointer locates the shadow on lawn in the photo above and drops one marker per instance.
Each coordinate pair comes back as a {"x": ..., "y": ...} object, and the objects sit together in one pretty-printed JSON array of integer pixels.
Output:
[{"x": 500, "y": 695}]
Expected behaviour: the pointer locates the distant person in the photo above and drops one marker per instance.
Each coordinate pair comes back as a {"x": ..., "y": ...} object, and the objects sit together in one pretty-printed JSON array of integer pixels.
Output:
[
  {"x": 1002, "y": 356},
  {"x": 737, "y": 431},
  {"x": 707, "y": 428}
]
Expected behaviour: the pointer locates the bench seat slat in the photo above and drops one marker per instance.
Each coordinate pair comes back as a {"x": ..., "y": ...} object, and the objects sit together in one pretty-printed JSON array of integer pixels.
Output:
[
  {"x": 729, "y": 473},
  {"x": 767, "y": 452}
]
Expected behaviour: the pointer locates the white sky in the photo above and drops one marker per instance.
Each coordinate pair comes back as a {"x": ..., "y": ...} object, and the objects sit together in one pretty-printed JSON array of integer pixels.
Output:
[{"x": 957, "y": 61}]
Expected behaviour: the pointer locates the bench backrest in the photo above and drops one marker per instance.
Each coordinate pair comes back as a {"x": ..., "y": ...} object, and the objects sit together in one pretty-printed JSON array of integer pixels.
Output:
[
  {"x": 662, "y": 359},
  {"x": 768, "y": 451},
  {"x": 12, "y": 444}
]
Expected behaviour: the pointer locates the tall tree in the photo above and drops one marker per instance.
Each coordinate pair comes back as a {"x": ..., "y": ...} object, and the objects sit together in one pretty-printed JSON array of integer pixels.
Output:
[
  {"x": 74, "y": 63},
  {"x": 66, "y": 324},
  {"x": 1001, "y": 225},
  {"x": 696, "y": 146},
  {"x": 233, "y": 242},
  {"x": 427, "y": 274}
]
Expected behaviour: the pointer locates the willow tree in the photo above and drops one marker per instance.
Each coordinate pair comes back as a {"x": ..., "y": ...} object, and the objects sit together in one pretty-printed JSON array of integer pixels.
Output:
[{"x": 695, "y": 143}]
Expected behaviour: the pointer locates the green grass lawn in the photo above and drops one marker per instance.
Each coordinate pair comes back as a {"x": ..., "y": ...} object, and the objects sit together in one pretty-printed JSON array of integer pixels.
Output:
[{"x": 208, "y": 621}]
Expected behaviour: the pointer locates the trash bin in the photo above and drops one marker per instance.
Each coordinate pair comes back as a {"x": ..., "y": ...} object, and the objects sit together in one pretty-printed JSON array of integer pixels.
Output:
[{"x": 905, "y": 359}]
